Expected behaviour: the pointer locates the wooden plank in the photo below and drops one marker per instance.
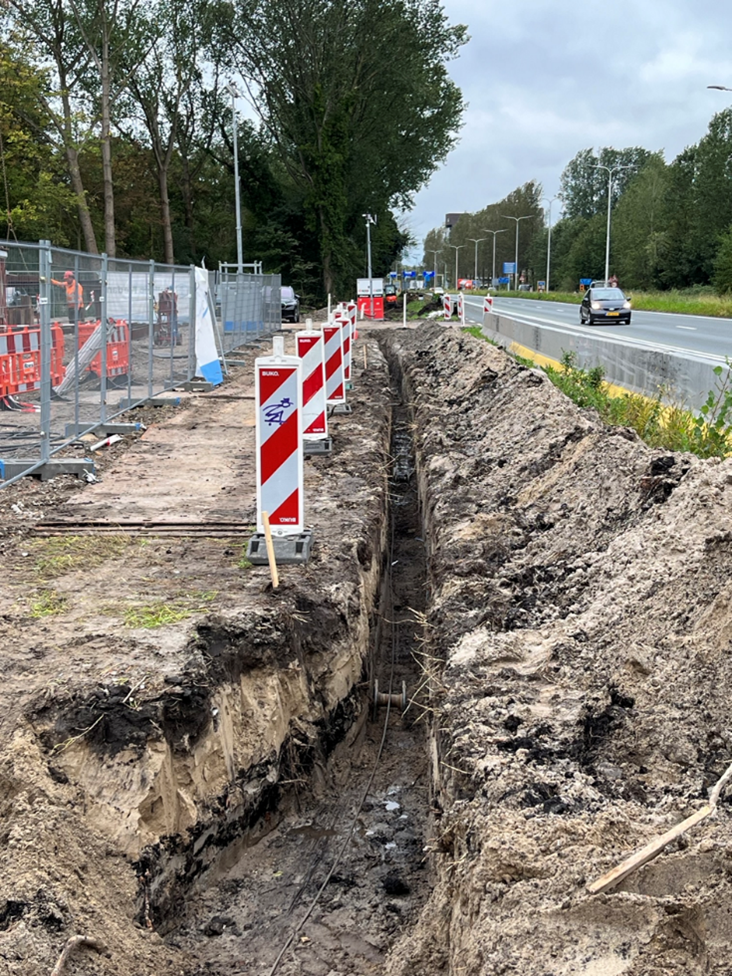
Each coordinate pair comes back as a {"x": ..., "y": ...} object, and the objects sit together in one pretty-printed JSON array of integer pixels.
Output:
[{"x": 647, "y": 853}]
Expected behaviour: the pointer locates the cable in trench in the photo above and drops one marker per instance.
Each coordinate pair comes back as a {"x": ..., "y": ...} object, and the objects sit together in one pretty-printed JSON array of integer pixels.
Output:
[{"x": 388, "y": 617}]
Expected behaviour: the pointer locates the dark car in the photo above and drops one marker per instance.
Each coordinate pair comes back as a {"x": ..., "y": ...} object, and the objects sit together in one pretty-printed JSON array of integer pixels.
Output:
[
  {"x": 290, "y": 304},
  {"x": 604, "y": 304}
]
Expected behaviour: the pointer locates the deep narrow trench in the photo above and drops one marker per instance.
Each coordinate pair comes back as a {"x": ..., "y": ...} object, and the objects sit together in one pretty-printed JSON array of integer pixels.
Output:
[{"x": 335, "y": 882}]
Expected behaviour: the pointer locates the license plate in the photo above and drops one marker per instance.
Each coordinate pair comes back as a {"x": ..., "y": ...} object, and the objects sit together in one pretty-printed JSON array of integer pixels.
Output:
[{"x": 613, "y": 313}]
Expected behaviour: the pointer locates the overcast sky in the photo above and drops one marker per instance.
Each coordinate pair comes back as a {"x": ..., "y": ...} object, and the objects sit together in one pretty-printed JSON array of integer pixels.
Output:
[{"x": 546, "y": 78}]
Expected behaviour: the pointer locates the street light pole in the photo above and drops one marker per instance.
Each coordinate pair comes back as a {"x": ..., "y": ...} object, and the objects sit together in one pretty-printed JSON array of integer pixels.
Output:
[
  {"x": 494, "y": 232},
  {"x": 610, "y": 172},
  {"x": 231, "y": 88},
  {"x": 370, "y": 219},
  {"x": 477, "y": 242},
  {"x": 517, "y": 219},
  {"x": 549, "y": 241},
  {"x": 457, "y": 248},
  {"x": 434, "y": 257}
]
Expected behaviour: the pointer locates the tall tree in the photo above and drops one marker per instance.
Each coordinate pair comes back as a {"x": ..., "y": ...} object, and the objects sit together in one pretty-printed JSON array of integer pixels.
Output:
[
  {"x": 584, "y": 182},
  {"x": 357, "y": 99}
]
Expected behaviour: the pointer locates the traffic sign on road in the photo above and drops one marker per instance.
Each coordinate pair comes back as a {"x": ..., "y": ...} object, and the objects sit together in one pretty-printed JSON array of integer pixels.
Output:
[{"x": 509, "y": 267}]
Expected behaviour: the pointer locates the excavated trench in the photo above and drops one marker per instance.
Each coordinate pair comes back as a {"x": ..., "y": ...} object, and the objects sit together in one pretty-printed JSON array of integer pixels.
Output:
[{"x": 331, "y": 875}]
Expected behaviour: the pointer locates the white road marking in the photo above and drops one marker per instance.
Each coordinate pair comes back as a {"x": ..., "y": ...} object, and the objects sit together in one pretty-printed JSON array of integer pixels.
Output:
[{"x": 689, "y": 328}]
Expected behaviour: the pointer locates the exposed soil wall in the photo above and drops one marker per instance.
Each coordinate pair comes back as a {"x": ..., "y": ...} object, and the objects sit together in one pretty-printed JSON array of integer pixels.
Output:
[
  {"x": 135, "y": 756},
  {"x": 581, "y": 607}
]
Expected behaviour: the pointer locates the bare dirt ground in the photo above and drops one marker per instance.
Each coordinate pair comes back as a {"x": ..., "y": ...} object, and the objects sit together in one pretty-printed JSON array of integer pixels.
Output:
[{"x": 185, "y": 751}]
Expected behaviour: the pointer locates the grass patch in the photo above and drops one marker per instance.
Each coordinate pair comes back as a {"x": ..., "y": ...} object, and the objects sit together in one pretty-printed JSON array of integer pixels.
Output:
[
  {"x": 48, "y": 603},
  {"x": 671, "y": 428},
  {"x": 160, "y": 613},
  {"x": 58, "y": 555}
]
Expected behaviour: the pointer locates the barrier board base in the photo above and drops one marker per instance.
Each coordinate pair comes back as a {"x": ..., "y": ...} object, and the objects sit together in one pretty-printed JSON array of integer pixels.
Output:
[
  {"x": 73, "y": 430},
  {"x": 339, "y": 408},
  {"x": 288, "y": 549},
  {"x": 196, "y": 386},
  {"x": 152, "y": 402},
  {"x": 324, "y": 446},
  {"x": 48, "y": 470}
]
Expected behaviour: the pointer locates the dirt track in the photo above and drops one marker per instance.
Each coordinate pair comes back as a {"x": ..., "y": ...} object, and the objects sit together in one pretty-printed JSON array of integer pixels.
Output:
[{"x": 165, "y": 788}]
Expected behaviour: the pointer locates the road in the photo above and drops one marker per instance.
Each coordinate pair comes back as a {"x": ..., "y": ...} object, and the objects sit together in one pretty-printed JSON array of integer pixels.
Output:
[{"x": 704, "y": 335}]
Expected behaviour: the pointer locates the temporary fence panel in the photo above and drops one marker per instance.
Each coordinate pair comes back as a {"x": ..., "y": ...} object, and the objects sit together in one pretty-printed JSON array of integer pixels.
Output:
[
  {"x": 279, "y": 440},
  {"x": 311, "y": 349}
]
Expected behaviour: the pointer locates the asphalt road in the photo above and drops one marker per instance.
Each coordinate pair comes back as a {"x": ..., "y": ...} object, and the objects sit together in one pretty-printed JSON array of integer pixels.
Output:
[{"x": 711, "y": 337}]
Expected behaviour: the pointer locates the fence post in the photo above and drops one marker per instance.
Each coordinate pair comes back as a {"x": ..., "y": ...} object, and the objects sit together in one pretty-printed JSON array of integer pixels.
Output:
[
  {"x": 192, "y": 322},
  {"x": 151, "y": 324},
  {"x": 103, "y": 351},
  {"x": 44, "y": 295}
]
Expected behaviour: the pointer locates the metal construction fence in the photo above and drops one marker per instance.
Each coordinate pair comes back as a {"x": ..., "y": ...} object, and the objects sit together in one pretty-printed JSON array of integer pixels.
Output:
[{"x": 84, "y": 337}]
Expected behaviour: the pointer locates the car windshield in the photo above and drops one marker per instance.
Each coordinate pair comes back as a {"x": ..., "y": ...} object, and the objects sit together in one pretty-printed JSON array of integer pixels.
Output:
[
  {"x": 287, "y": 293},
  {"x": 607, "y": 294}
]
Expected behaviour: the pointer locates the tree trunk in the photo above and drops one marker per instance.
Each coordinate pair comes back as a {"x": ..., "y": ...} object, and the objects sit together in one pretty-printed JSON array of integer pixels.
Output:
[
  {"x": 109, "y": 235},
  {"x": 188, "y": 204},
  {"x": 165, "y": 214}
]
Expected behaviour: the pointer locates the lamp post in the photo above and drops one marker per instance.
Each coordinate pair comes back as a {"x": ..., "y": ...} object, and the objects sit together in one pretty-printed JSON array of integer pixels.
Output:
[
  {"x": 434, "y": 257},
  {"x": 370, "y": 219},
  {"x": 610, "y": 172},
  {"x": 494, "y": 232},
  {"x": 549, "y": 241},
  {"x": 476, "y": 242},
  {"x": 517, "y": 219},
  {"x": 457, "y": 248},
  {"x": 232, "y": 90}
]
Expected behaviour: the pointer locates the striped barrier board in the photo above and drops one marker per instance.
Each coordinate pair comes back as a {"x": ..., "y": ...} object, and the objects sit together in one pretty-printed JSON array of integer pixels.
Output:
[
  {"x": 461, "y": 307},
  {"x": 345, "y": 322},
  {"x": 310, "y": 349},
  {"x": 278, "y": 405},
  {"x": 335, "y": 387},
  {"x": 447, "y": 306},
  {"x": 487, "y": 304}
]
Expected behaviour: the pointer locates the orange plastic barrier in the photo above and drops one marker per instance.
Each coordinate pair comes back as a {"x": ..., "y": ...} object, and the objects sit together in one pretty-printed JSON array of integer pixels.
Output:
[
  {"x": 20, "y": 359},
  {"x": 118, "y": 347}
]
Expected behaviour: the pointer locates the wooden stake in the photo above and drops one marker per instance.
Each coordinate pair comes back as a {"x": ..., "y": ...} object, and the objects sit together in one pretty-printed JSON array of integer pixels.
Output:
[
  {"x": 364, "y": 358},
  {"x": 76, "y": 940},
  {"x": 655, "y": 846},
  {"x": 270, "y": 551}
]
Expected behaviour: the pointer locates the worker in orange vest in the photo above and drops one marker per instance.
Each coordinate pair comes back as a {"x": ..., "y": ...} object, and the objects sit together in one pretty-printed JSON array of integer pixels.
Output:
[{"x": 74, "y": 295}]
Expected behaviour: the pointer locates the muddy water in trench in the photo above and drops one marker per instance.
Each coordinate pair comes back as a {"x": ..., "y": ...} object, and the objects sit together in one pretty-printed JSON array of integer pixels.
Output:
[{"x": 241, "y": 916}]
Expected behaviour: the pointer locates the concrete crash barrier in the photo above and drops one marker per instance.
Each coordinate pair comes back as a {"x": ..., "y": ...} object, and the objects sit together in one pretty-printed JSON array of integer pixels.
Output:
[{"x": 682, "y": 375}]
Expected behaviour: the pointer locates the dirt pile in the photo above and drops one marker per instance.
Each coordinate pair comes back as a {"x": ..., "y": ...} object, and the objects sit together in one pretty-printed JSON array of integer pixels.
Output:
[{"x": 581, "y": 606}]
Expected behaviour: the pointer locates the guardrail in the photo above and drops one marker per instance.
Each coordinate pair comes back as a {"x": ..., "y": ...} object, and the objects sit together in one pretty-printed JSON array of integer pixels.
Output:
[{"x": 682, "y": 376}]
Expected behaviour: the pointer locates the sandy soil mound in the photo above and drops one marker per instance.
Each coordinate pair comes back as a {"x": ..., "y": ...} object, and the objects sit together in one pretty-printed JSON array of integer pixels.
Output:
[{"x": 581, "y": 607}]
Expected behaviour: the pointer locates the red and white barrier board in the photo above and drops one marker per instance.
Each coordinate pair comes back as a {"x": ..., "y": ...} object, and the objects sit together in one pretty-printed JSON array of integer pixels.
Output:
[
  {"x": 447, "y": 306},
  {"x": 335, "y": 386},
  {"x": 310, "y": 349},
  {"x": 344, "y": 319},
  {"x": 461, "y": 307},
  {"x": 278, "y": 405},
  {"x": 487, "y": 304}
]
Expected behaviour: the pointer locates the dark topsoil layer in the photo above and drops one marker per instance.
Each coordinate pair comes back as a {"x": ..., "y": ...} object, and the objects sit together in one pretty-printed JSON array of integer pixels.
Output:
[{"x": 578, "y": 655}]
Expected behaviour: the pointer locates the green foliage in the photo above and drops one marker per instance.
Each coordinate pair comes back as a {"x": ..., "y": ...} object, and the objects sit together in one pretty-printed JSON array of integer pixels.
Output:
[
  {"x": 723, "y": 265},
  {"x": 47, "y": 603}
]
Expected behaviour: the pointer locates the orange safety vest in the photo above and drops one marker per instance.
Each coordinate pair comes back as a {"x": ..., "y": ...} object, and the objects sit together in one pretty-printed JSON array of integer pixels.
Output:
[{"x": 74, "y": 291}]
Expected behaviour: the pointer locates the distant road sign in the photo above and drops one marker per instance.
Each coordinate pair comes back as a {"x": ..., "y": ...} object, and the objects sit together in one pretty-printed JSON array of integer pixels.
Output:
[
  {"x": 509, "y": 267},
  {"x": 586, "y": 282},
  {"x": 503, "y": 281}
]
